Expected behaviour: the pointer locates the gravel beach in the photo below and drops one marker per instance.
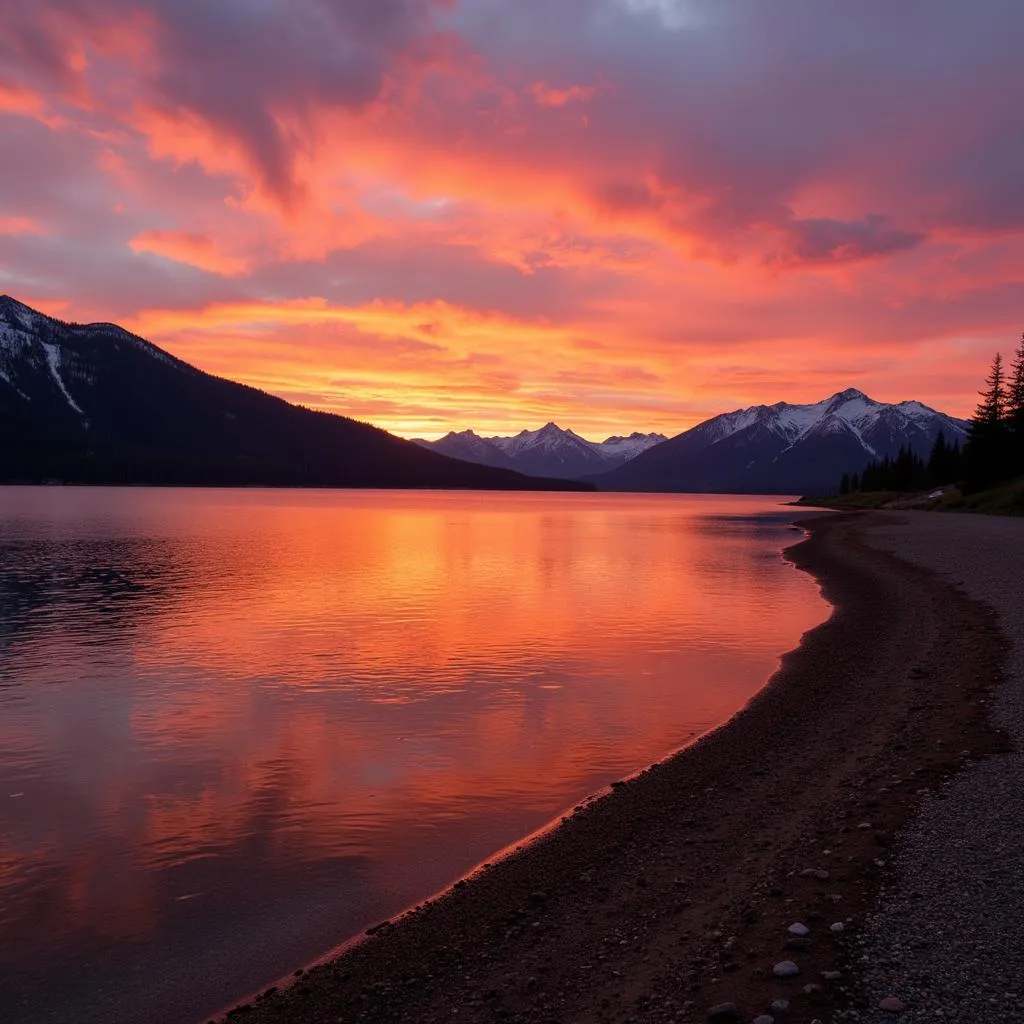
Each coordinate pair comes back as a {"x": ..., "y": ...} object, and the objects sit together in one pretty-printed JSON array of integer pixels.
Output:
[
  {"x": 732, "y": 881},
  {"x": 946, "y": 940}
]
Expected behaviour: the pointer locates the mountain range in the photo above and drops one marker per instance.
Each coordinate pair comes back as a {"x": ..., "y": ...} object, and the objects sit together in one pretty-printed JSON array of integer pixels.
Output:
[
  {"x": 785, "y": 449},
  {"x": 93, "y": 403},
  {"x": 547, "y": 452}
]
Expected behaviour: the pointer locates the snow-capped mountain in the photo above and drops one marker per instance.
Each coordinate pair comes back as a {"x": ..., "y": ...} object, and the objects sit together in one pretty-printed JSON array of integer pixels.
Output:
[
  {"x": 547, "y": 452},
  {"x": 469, "y": 447},
  {"x": 95, "y": 403},
  {"x": 785, "y": 449}
]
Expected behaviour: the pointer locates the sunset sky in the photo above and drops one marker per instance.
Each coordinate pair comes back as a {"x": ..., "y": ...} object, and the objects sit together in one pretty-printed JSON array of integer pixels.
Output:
[{"x": 614, "y": 214}]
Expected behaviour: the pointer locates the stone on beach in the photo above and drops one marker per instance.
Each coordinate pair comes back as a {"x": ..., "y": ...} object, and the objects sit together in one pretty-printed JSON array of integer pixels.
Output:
[
  {"x": 799, "y": 930},
  {"x": 785, "y": 969},
  {"x": 724, "y": 1013},
  {"x": 819, "y": 873},
  {"x": 892, "y": 1005}
]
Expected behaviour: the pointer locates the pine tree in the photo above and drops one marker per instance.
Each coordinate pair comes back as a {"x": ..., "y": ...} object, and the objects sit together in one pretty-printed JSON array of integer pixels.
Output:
[
  {"x": 943, "y": 465},
  {"x": 1015, "y": 408},
  {"x": 938, "y": 461},
  {"x": 986, "y": 456}
]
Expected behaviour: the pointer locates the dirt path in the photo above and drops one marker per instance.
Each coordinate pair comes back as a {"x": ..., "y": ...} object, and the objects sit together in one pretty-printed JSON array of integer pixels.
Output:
[{"x": 674, "y": 893}]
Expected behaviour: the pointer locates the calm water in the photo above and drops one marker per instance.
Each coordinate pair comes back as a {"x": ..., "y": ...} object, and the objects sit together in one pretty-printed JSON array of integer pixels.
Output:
[{"x": 237, "y": 727}]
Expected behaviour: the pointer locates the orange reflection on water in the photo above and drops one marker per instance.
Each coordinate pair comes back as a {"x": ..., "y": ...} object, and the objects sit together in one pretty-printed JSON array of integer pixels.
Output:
[{"x": 289, "y": 714}]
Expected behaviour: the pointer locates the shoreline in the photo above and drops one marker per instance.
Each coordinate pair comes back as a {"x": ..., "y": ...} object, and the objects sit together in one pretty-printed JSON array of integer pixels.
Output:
[
  {"x": 512, "y": 849},
  {"x": 659, "y": 899}
]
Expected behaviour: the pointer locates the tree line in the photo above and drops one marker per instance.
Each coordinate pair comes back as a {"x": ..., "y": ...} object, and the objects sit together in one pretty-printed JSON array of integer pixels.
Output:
[{"x": 992, "y": 454}]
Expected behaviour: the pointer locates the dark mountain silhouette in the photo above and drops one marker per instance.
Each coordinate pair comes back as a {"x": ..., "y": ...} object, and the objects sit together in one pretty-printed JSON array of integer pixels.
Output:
[{"x": 93, "y": 403}]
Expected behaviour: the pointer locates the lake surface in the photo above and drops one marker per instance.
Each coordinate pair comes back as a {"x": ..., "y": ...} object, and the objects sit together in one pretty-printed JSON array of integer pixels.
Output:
[{"x": 237, "y": 727}]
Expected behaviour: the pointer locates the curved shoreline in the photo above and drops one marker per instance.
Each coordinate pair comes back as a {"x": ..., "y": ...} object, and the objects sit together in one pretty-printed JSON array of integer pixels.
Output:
[{"x": 673, "y": 892}]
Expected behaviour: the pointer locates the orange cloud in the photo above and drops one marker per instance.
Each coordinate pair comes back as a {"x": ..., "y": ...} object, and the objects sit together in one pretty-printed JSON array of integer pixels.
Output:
[
  {"x": 196, "y": 250},
  {"x": 549, "y": 96}
]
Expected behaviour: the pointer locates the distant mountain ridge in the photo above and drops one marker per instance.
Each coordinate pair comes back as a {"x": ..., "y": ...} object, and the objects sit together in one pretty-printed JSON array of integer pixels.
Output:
[
  {"x": 94, "y": 403},
  {"x": 783, "y": 448},
  {"x": 550, "y": 451}
]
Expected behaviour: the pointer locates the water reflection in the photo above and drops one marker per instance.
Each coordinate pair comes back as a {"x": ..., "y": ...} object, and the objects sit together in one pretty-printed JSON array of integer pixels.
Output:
[{"x": 238, "y": 726}]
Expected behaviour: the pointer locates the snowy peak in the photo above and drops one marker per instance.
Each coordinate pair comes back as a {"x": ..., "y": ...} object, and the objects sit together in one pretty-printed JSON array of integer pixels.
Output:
[
  {"x": 551, "y": 438},
  {"x": 551, "y": 450},
  {"x": 849, "y": 411},
  {"x": 629, "y": 447},
  {"x": 785, "y": 448},
  {"x": 35, "y": 364}
]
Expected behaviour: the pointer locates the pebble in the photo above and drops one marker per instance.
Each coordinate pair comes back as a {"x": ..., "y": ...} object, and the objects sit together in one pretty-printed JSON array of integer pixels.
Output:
[
  {"x": 892, "y": 1005},
  {"x": 780, "y": 1006},
  {"x": 799, "y": 929},
  {"x": 836, "y": 928},
  {"x": 765, "y": 1018},
  {"x": 723, "y": 1013},
  {"x": 831, "y": 975},
  {"x": 785, "y": 969}
]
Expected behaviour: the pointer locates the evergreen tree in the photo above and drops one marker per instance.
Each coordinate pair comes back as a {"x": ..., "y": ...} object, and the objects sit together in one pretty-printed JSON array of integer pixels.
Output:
[
  {"x": 938, "y": 461},
  {"x": 986, "y": 457},
  {"x": 1015, "y": 408},
  {"x": 943, "y": 463},
  {"x": 956, "y": 462},
  {"x": 844, "y": 484}
]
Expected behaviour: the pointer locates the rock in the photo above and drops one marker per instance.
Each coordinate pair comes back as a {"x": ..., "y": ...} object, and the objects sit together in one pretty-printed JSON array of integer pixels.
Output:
[
  {"x": 799, "y": 929},
  {"x": 836, "y": 928},
  {"x": 765, "y": 1018},
  {"x": 892, "y": 1005},
  {"x": 820, "y": 873},
  {"x": 785, "y": 969},
  {"x": 831, "y": 975},
  {"x": 780, "y": 1006},
  {"x": 723, "y": 1013}
]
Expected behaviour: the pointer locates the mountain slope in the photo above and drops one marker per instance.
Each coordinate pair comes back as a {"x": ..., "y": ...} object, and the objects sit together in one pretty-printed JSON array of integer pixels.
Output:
[
  {"x": 547, "y": 452},
  {"x": 95, "y": 403},
  {"x": 469, "y": 447},
  {"x": 784, "y": 449}
]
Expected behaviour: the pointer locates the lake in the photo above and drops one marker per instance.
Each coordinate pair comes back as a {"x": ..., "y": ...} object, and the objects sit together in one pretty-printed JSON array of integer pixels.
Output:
[{"x": 238, "y": 727}]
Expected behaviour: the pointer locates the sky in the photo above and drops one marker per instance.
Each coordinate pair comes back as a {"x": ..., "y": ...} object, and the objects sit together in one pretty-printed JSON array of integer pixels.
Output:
[{"x": 615, "y": 214}]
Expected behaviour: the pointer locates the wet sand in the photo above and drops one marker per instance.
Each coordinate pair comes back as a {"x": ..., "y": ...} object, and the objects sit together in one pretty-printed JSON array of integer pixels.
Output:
[{"x": 673, "y": 894}]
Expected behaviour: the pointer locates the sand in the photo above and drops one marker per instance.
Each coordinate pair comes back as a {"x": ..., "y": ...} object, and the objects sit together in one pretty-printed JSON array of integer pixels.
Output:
[{"x": 674, "y": 893}]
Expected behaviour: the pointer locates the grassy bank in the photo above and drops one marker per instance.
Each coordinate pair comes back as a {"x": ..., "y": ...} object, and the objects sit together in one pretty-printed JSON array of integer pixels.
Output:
[{"x": 1005, "y": 500}]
